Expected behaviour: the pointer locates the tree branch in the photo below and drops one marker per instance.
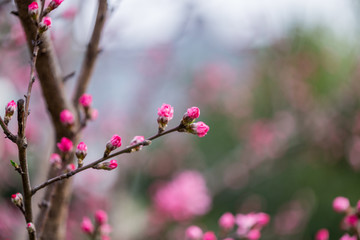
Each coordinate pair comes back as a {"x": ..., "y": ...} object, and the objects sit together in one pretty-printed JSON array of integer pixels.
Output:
[
  {"x": 90, "y": 165},
  {"x": 91, "y": 54},
  {"x": 22, "y": 145},
  {"x": 7, "y": 132}
]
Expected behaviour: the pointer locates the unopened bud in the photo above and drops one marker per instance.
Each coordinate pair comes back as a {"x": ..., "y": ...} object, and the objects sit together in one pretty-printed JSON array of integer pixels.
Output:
[
  {"x": 45, "y": 24},
  {"x": 70, "y": 167},
  {"x": 53, "y": 4},
  {"x": 81, "y": 152},
  {"x": 137, "y": 140},
  {"x": 165, "y": 114},
  {"x": 30, "y": 227},
  {"x": 199, "y": 128},
  {"x": 17, "y": 199},
  {"x": 111, "y": 145},
  {"x": 33, "y": 10},
  {"x": 106, "y": 165},
  {"x": 9, "y": 111},
  {"x": 190, "y": 115}
]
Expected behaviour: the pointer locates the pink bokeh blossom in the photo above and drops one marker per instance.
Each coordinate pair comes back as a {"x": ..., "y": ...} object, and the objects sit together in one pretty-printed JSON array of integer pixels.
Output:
[
  {"x": 341, "y": 204},
  {"x": 85, "y": 100},
  {"x": 322, "y": 234},
  {"x": 66, "y": 117},
  {"x": 227, "y": 221},
  {"x": 87, "y": 226},
  {"x": 65, "y": 145},
  {"x": 193, "y": 233},
  {"x": 101, "y": 217},
  {"x": 184, "y": 197}
]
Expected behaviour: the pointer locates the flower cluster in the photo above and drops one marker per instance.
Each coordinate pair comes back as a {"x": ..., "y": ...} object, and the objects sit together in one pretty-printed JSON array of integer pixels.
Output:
[
  {"x": 248, "y": 227},
  {"x": 166, "y": 113},
  {"x": 100, "y": 228},
  {"x": 349, "y": 223}
]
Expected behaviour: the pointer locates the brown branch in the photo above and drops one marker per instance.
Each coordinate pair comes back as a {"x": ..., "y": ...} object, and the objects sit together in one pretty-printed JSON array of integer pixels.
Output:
[
  {"x": 22, "y": 145},
  {"x": 7, "y": 132},
  {"x": 90, "y": 165},
  {"x": 91, "y": 54}
]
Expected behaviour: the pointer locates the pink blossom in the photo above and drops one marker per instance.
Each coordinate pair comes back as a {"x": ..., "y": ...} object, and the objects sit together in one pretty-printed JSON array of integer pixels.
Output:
[
  {"x": 209, "y": 236},
  {"x": 81, "y": 150},
  {"x": 227, "y": 221},
  {"x": 17, "y": 199},
  {"x": 46, "y": 21},
  {"x": 114, "y": 143},
  {"x": 341, "y": 204},
  {"x": 322, "y": 234},
  {"x": 65, "y": 145},
  {"x": 263, "y": 219},
  {"x": 113, "y": 164},
  {"x": 33, "y": 6},
  {"x": 166, "y": 110},
  {"x": 70, "y": 13},
  {"x": 66, "y": 117},
  {"x": 10, "y": 108},
  {"x": 105, "y": 237},
  {"x": 193, "y": 233},
  {"x": 358, "y": 206},
  {"x": 30, "y": 227},
  {"x": 136, "y": 140},
  {"x": 254, "y": 234},
  {"x": 199, "y": 128},
  {"x": 101, "y": 217},
  {"x": 193, "y": 112},
  {"x": 71, "y": 167},
  {"x": 58, "y": 2},
  {"x": 55, "y": 159},
  {"x": 85, "y": 100},
  {"x": 348, "y": 237},
  {"x": 184, "y": 197},
  {"x": 87, "y": 226},
  {"x": 351, "y": 220},
  {"x": 54, "y": 4}
]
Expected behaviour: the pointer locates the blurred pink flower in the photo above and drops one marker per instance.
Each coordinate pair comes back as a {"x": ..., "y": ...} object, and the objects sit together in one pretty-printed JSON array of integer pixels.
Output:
[
  {"x": 341, "y": 204},
  {"x": 87, "y": 226},
  {"x": 65, "y": 145},
  {"x": 66, "y": 117},
  {"x": 209, "y": 236},
  {"x": 227, "y": 221},
  {"x": 322, "y": 234},
  {"x": 193, "y": 233},
  {"x": 185, "y": 197},
  {"x": 348, "y": 237},
  {"x": 101, "y": 217},
  {"x": 85, "y": 100},
  {"x": 70, "y": 13}
]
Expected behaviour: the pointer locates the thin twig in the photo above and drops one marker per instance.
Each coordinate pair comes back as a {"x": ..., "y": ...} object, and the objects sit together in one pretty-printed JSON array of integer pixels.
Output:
[
  {"x": 90, "y": 165},
  {"x": 7, "y": 132},
  {"x": 91, "y": 54},
  {"x": 22, "y": 145}
]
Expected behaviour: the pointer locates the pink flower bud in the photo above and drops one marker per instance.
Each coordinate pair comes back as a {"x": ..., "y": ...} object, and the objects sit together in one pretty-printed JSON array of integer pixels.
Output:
[
  {"x": 190, "y": 115},
  {"x": 45, "y": 24},
  {"x": 227, "y": 221},
  {"x": 199, "y": 128},
  {"x": 10, "y": 108},
  {"x": 87, "y": 226},
  {"x": 17, "y": 199},
  {"x": 101, "y": 217},
  {"x": 136, "y": 140},
  {"x": 193, "y": 233},
  {"x": 322, "y": 234},
  {"x": 71, "y": 167},
  {"x": 113, "y": 164},
  {"x": 254, "y": 234},
  {"x": 81, "y": 151},
  {"x": 348, "y": 237},
  {"x": 105, "y": 229},
  {"x": 85, "y": 100},
  {"x": 165, "y": 113},
  {"x": 166, "y": 110},
  {"x": 30, "y": 227},
  {"x": 351, "y": 220},
  {"x": 33, "y": 10},
  {"x": 55, "y": 159},
  {"x": 114, "y": 143},
  {"x": 106, "y": 165},
  {"x": 341, "y": 204},
  {"x": 262, "y": 219},
  {"x": 54, "y": 4},
  {"x": 209, "y": 236},
  {"x": 65, "y": 145},
  {"x": 66, "y": 118}
]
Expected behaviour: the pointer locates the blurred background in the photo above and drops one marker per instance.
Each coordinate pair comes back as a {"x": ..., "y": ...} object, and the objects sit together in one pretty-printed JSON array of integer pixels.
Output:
[{"x": 277, "y": 82}]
